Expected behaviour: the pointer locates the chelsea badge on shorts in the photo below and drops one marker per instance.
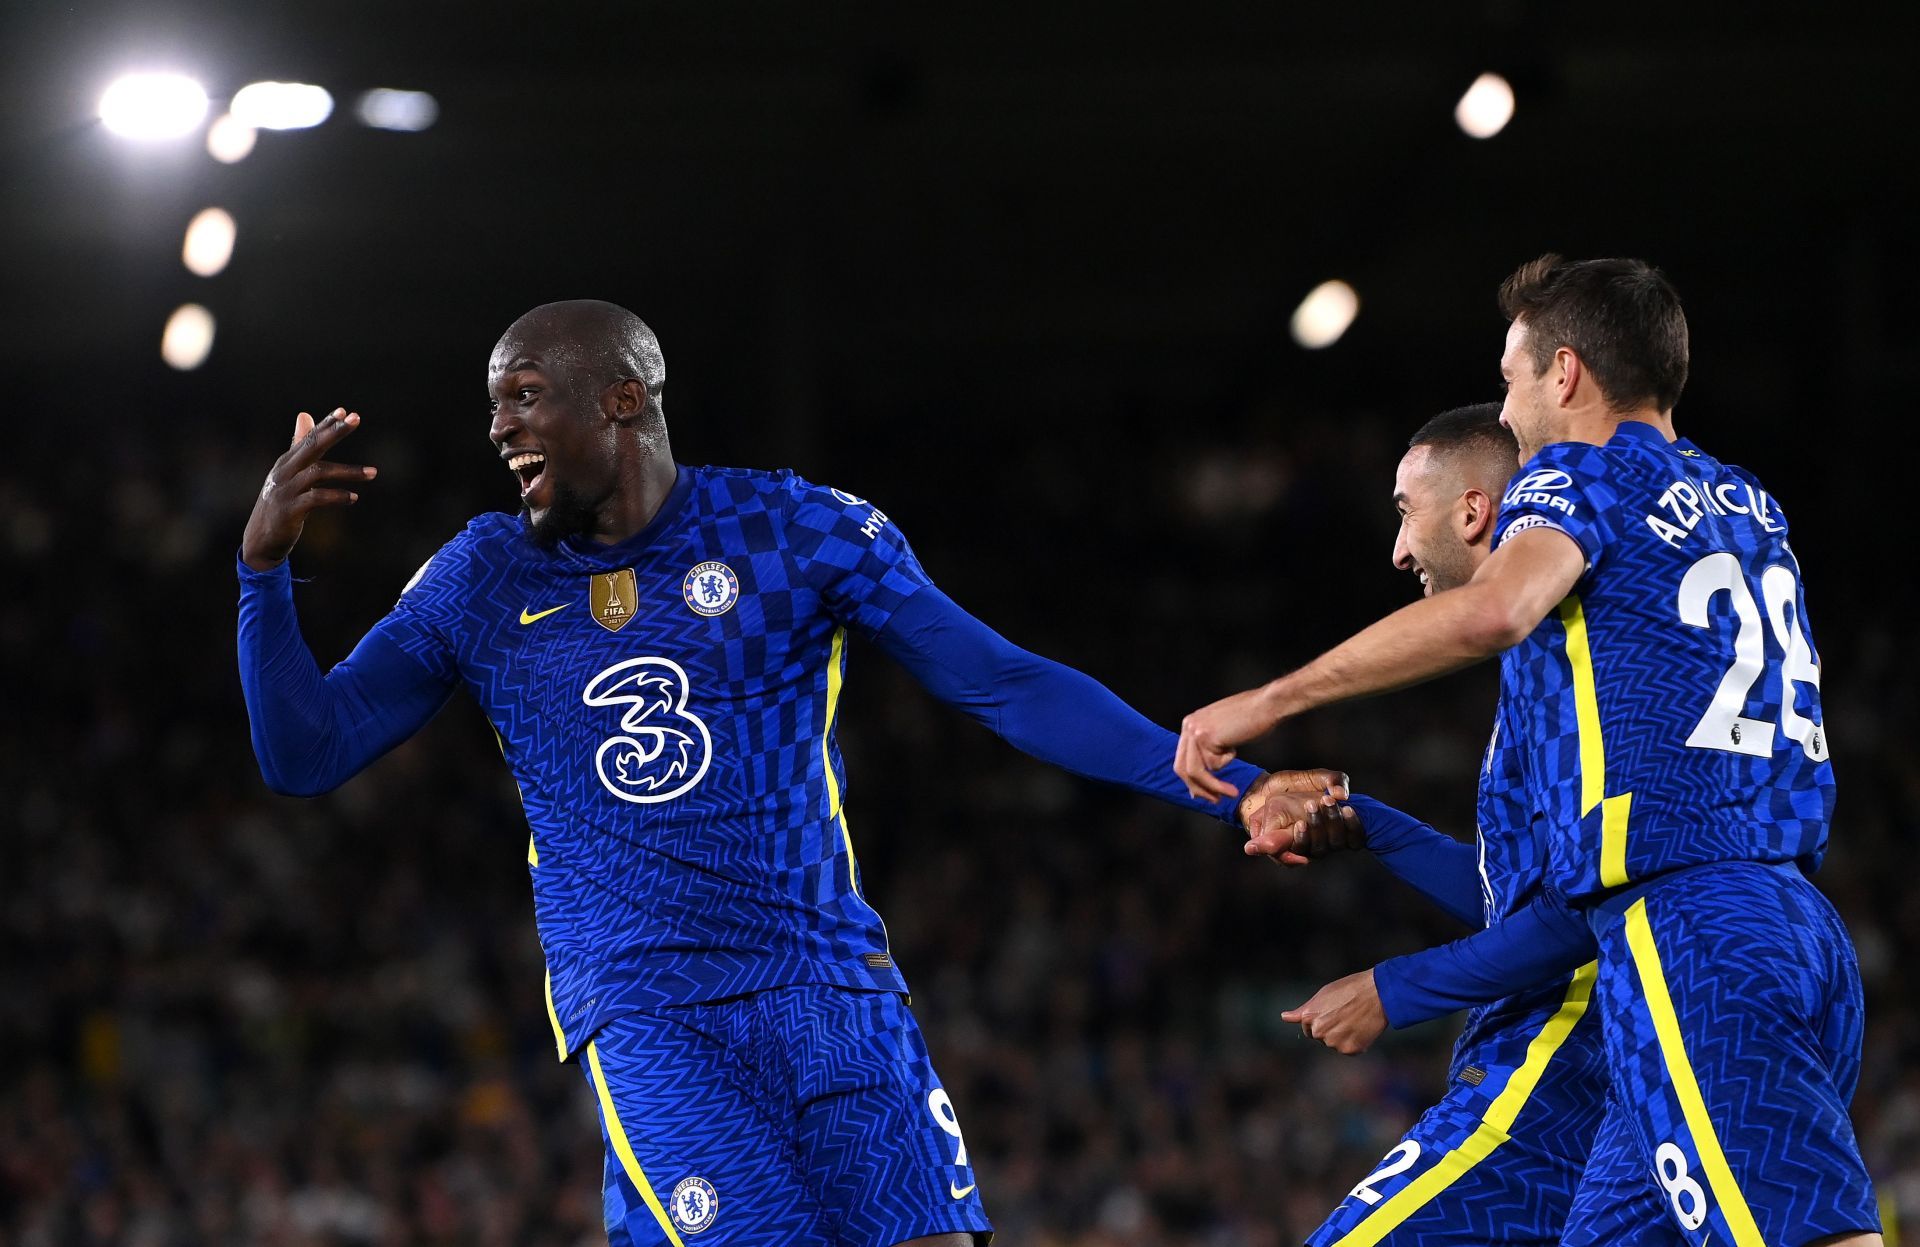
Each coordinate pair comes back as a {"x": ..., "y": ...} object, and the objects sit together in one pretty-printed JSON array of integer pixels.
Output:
[
  {"x": 711, "y": 589},
  {"x": 694, "y": 1205}
]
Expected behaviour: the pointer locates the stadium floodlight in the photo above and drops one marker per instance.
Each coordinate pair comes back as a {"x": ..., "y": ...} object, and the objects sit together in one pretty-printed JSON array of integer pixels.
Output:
[
  {"x": 1325, "y": 314},
  {"x": 384, "y": 108},
  {"x": 209, "y": 242},
  {"x": 188, "y": 339},
  {"x": 153, "y": 106},
  {"x": 281, "y": 105},
  {"x": 1486, "y": 108},
  {"x": 230, "y": 139}
]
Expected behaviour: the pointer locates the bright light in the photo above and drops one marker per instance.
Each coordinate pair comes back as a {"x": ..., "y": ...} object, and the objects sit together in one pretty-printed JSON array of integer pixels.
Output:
[
  {"x": 189, "y": 337},
  {"x": 1325, "y": 314},
  {"x": 282, "y": 105},
  {"x": 153, "y": 106},
  {"x": 209, "y": 242},
  {"x": 386, "y": 109},
  {"x": 230, "y": 139},
  {"x": 1486, "y": 108}
]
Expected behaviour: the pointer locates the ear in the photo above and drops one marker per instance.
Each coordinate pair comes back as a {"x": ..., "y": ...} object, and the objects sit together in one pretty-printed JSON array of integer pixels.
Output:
[
  {"x": 624, "y": 401},
  {"x": 1477, "y": 512},
  {"x": 1569, "y": 372}
]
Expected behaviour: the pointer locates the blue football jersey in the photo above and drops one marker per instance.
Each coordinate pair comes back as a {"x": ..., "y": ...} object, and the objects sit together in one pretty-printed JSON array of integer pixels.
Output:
[
  {"x": 1671, "y": 704},
  {"x": 667, "y": 707},
  {"x": 1511, "y": 841}
]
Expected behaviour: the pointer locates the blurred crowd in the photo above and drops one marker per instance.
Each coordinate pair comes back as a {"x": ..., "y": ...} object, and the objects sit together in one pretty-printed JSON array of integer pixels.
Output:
[{"x": 233, "y": 1018}]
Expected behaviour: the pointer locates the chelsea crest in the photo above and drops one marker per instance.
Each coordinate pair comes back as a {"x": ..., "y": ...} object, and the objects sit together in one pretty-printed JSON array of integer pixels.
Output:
[
  {"x": 710, "y": 589},
  {"x": 694, "y": 1205}
]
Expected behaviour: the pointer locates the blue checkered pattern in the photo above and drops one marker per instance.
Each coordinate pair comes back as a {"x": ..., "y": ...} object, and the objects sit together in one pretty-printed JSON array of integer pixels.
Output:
[
  {"x": 1498, "y": 1159},
  {"x": 1733, "y": 1032},
  {"x": 811, "y": 1114},
  {"x": 1661, "y": 524},
  {"x": 679, "y": 774}
]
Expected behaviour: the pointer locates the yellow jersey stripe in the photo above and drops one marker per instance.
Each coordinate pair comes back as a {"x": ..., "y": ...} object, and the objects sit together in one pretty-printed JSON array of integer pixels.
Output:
[
  {"x": 1494, "y": 1123},
  {"x": 1593, "y": 750},
  {"x": 836, "y": 676},
  {"x": 1653, "y": 984},
  {"x": 553, "y": 1016},
  {"x": 617, "y": 1135}
]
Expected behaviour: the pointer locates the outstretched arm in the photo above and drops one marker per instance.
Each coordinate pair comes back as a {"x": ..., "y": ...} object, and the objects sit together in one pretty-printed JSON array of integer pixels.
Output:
[
  {"x": 1506, "y": 599},
  {"x": 1041, "y": 707}
]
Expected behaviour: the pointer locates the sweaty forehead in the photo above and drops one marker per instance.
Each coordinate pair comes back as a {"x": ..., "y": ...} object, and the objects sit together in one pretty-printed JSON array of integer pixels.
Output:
[{"x": 1422, "y": 470}]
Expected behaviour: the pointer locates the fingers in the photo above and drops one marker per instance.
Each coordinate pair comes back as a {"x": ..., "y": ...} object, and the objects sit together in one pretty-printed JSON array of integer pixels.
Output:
[
  {"x": 314, "y": 499},
  {"x": 1195, "y": 763},
  {"x": 302, "y": 425},
  {"x": 312, "y": 445}
]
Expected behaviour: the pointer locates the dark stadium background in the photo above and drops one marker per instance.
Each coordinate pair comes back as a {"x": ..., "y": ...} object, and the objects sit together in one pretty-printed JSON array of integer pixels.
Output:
[{"x": 1023, "y": 278}]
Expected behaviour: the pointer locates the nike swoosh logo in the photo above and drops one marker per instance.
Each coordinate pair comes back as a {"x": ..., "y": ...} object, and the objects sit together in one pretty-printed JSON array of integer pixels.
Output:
[
  {"x": 961, "y": 1192},
  {"x": 525, "y": 618}
]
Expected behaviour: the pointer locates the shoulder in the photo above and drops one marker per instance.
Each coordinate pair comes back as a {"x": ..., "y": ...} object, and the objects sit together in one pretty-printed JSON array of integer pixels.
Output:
[
  {"x": 784, "y": 491},
  {"x": 486, "y": 537}
]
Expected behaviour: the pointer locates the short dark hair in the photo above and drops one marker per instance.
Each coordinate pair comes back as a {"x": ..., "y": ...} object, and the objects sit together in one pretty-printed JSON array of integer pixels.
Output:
[
  {"x": 1621, "y": 317},
  {"x": 1476, "y": 426}
]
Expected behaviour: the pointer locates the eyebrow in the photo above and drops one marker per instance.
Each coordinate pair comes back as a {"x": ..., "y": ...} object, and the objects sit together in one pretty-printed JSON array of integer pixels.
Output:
[{"x": 1399, "y": 496}]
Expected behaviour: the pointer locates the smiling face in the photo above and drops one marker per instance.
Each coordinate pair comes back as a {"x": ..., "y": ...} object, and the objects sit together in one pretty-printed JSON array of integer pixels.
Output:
[
  {"x": 551, "y": 432},
  {"x": 1434, "y": 541}
]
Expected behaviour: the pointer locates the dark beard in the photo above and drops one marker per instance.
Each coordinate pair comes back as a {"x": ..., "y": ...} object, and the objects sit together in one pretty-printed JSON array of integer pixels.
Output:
[{"x": 569, "y": 516}]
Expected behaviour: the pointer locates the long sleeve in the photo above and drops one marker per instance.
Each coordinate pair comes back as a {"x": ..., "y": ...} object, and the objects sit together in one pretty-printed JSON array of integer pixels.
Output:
[
  {"x": 1534, "y": 945},
  {"x": 1434, "y": 864},
  {"x": 1042, "y": 708},
  {"x": 312, "y": 731}
]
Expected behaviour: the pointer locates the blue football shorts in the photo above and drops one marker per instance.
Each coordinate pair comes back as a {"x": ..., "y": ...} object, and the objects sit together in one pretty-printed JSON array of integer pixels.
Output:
[
  {"x": 1731, "y": 1007},
  {"x": 800, "y": 1115},
  {"x": 1499, "y": 1158}
]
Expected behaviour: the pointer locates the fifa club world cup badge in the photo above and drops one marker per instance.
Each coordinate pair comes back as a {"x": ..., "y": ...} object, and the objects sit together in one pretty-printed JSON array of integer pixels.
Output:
[
  {"x": 694, "y": 1205},
  {"x": 615, "y": 597},
  {"x": 710, "y": 589}
]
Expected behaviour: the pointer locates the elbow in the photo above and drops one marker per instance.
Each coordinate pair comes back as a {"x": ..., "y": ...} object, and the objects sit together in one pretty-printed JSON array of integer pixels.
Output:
[
  {"x": 285, "y": 785},
  {"x": 1496, "y": 625}
]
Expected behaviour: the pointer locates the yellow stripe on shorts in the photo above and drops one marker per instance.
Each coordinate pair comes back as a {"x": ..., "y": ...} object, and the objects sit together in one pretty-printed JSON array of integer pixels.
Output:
[
  {"x": 617, "y": 1134},
  {"x": 1666, "y": 1024},
  {"x": 1494, "y": 1123}
]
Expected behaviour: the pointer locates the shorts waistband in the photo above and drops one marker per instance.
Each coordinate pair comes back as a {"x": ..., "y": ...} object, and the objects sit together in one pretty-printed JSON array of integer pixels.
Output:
[{"x": 1603, "y": 914}]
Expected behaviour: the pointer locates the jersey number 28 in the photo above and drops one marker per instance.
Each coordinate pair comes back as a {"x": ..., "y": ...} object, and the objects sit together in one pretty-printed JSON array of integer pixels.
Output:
[{"x": 1723, "y": 726}]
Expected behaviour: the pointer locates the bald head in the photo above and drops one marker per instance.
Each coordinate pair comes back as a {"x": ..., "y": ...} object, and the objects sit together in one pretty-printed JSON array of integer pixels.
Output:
[{"x": 588, "y": 343}]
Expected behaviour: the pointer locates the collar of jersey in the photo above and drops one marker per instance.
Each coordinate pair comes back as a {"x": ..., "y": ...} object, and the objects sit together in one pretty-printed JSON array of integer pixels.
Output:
[
  {"x": 1640, "y": 430},
  {"x": 587, "y": 555}
]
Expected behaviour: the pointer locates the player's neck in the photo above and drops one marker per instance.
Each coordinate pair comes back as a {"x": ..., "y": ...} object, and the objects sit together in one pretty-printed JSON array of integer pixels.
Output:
[
  {"x": 1598, "y": 424},
  {"x": 643, "y": 490}
]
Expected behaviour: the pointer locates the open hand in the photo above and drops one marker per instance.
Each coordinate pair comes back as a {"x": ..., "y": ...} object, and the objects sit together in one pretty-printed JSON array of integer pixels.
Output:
[
  {"x": 1346, "y": 1014},
  {"x": 1210, "y": 738},
  {"x": 1293, "y": 816},
  {"x": 301, "y": 481}
]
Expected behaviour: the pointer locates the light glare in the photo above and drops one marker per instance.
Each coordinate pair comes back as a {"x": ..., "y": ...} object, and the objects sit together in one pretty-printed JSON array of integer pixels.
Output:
[
  {"x": 153, "y": 106},
  {"x": 188, "y": 338},
  {"x": 384, "y": 108},
  {"x": 1325, "y": 314},
  {"x": 1486, "y": 108},
  {"x": 230, "y": 139},
  {"x": 209, "y": 242},
  {"x": 282, "y": 105}
]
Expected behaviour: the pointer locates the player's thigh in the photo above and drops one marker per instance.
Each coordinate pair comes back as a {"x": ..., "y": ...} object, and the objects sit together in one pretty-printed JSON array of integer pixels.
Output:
[
  {"x": 1615, "y": 1204},
  {"x": 878, "y": 1134},
  {"x": 698, "y": 1132},
  {"x": 1456, "y": 1180},
  {"x": 1725, "y": 996}
]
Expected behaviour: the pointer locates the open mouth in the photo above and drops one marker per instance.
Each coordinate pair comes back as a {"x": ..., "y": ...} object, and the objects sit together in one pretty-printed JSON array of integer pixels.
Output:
[{"x": 530, "y": 466}]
